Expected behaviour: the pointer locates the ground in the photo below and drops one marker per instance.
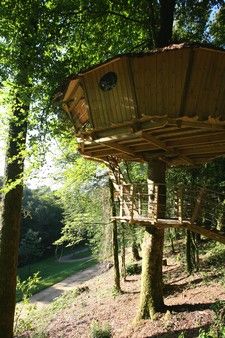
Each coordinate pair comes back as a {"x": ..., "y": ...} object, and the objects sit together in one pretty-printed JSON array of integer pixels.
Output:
[{"x": 189, "y": 300}]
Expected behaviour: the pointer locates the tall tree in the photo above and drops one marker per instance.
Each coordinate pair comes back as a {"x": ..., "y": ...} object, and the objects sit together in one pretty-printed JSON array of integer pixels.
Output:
[
  {"x": 21, "y": 96},
  {"x": 151, "y": 299},
  {"x": 26, "y": 43}
]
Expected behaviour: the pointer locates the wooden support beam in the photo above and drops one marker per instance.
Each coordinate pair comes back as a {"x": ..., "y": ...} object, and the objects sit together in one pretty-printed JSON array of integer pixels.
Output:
[
  {"x": 167, "y": 223},
  {"x": 207, "y": 149},
  {"x": 119, "y": 147},
  {"x": 151, "y": 139},
  {"x": 202, "y": 125},
  {"x": 193, "y": 140}
]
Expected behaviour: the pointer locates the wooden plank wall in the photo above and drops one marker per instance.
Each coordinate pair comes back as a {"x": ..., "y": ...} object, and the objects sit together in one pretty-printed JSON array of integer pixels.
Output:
[
  {"x": 206, "y": 92},
  {"x": 159, "y": 80},
  {"x": 110, "y": 108}
]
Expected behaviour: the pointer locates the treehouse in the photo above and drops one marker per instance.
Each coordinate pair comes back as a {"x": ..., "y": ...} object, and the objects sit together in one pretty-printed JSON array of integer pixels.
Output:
[{"x": 167, "y": 104}]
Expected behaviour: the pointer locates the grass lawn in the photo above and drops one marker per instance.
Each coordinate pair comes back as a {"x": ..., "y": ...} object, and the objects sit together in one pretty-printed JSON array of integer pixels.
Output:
[{"x": 52, "y": 271}]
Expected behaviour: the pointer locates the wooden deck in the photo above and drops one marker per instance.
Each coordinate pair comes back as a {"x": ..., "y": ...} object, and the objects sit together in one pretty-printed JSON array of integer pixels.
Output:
[{"x": 213, "y": 234}]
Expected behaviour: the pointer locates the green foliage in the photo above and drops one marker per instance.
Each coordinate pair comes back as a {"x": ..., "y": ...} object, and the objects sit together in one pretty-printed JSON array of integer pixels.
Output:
[
  {"x": 216, "y": 255},
  {"x": 217, "y": 329},
  {"x": 193, "y": 20},
  {"x": 37, "y": 320},
  {"x": 134, "y": 172},
  {"x": 85, "y": 200},
  {"x": 100, "y": 331},
  {"x": 53, "y": 271},
  {"x": 41, "y": 224},
  {"x": 133, "y": 269},
  {"x": 181, "y": 335},
  {"x": 30, "y": 245},
  {"x": 27, "y": 287}
]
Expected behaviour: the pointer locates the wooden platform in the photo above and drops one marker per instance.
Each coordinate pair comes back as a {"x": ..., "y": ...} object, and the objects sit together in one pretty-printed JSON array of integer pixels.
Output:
[
  {"x": 171, "y": 223},
  {"x": 187, "y": 143}
]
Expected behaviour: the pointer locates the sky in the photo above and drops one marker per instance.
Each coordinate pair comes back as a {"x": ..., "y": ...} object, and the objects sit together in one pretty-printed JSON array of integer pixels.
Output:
[
  {"x": 2, "y": 158},
  {"x": 45, "y": 176}
]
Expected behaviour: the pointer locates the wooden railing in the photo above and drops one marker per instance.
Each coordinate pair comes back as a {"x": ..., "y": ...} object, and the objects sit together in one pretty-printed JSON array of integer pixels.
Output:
[{"x": 141, "y": 201}]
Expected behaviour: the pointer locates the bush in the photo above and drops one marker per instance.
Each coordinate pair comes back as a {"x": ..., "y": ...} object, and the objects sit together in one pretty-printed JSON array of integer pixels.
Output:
[
  {"x": 133, "y": 269},
  {"x": 98, "y": 331},
  {"x": 217, "y": 329}
]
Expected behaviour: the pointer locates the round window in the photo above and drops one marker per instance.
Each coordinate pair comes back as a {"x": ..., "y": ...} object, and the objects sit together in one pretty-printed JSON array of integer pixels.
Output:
[{"x": 108, "y": 81}]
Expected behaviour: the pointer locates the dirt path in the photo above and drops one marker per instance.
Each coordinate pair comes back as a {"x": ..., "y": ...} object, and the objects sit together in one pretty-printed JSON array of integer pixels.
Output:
[{"x": 46, "y": 296}]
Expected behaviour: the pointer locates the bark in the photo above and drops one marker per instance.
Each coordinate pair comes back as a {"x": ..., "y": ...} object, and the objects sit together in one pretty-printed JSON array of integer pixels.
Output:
[
  {"x": 12, "y": 203},
  {"x": 171, "y": 242},
  {"x": 135, "y": 252},
  {"x": 192, "y": 253},
  {"x": 123, "y": 255},
  {"x": 115, "y": 242},
  {"x": 188, "y": 252},
  {"x": 151, "y": 298},
  {"x": 167, "y": 8}
]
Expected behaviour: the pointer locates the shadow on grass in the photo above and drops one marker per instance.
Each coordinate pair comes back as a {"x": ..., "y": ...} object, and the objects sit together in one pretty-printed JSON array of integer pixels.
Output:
[
  {"x": 190, "y": 307},
  {"x": 173, "y": 288},
  {"x": 190, "y": 333}
]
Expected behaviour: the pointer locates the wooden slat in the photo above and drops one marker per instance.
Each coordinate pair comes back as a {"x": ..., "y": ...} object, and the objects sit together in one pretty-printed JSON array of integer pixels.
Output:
[
  {"x": 162, "y": 145},
  {"x": 207, "y": 149},
  {"x": 144, "y": 68},
  {"x": 119, "y": 147}
]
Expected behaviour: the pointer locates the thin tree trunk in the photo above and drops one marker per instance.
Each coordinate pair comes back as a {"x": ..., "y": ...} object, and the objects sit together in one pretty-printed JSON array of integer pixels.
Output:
[
  {"x": 171, "y": 241},
  {"x": 115, "y": 241},
  {"x": 123, "y": 255},
  {"x": 12, "y": 202},
  {"x": 135, "y": 252},
  {"x": 151, "y": 298},
  {"x": 189, "y": 252}
]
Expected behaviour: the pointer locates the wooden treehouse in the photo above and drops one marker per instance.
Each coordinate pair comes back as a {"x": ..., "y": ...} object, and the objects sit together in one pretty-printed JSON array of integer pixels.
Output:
[{"x": 167, "y": 104}]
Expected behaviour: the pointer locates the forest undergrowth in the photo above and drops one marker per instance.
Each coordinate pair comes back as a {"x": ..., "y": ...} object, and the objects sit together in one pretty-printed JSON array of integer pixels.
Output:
[{"x": 195, "y": 304}]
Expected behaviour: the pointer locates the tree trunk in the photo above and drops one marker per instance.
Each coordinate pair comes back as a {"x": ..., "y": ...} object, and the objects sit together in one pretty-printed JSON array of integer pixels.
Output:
[
  {"x": 192, "y": 254},
  {"x": 135, "y": 252},
  {"x": 115, "y": 241},
  {"x": 123, "y": 255},
  {"x": 134, "y": 245},
  {"x": 151, "y": 286},
  {"x": 151, "y": 298},
  {"x": 11, "y": 214},
  {"x": 166, "y": 22},
  {"x": 189, "y": 252}
]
